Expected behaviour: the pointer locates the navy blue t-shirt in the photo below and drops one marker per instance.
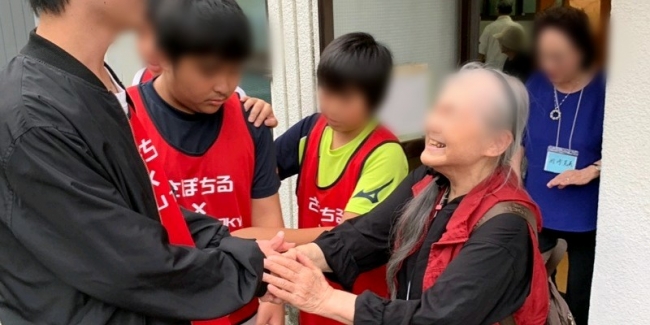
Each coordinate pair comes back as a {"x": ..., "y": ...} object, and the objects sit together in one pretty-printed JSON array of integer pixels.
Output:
[
  {"x": 574, "y": 208},
  {"x": 287, "y": 146},
  {"x": 194, "y": 134}
]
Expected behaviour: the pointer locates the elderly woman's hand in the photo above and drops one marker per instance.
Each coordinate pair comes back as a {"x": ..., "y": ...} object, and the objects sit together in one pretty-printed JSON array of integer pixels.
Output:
[{"x": 297, "y": 281}]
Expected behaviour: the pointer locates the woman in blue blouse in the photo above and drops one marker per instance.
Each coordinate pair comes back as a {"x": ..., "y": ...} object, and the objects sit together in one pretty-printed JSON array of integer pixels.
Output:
[{"x": 563, "y": 144}]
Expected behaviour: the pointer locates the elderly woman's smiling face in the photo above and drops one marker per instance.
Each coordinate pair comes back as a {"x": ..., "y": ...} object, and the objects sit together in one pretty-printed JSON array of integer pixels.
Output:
[{"x": 460, "y": 129}]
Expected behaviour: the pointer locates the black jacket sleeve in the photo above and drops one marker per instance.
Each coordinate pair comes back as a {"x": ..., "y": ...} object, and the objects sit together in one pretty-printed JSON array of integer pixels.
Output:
[
  {"x": 76, "y": 223},
  {"x": 363, "y": 243},
  {"x": 487, "y": 281},
  {"x": 206, "y": 231}
]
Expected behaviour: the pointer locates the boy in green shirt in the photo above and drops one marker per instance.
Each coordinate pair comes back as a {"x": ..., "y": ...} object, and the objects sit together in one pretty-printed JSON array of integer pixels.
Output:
[{"x": 346, "y": 161}]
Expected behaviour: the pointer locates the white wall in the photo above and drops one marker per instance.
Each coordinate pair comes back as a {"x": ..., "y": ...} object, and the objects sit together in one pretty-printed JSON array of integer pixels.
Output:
[
  {"x": 16, "y": 21},
  {"x": 123, "y": 58},
  {"x": 294, "y": 39},
  {"x": 621, "y": 287}
]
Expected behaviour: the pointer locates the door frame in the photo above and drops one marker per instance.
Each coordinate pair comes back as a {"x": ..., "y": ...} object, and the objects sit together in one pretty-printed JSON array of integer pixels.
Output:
[
  {"x": 325, "y": 23},
  {"x": 468, "y": 30}
]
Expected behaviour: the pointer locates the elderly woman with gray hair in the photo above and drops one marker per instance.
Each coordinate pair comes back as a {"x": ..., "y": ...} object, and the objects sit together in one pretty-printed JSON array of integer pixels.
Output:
[{"x": 457, "y": 235}]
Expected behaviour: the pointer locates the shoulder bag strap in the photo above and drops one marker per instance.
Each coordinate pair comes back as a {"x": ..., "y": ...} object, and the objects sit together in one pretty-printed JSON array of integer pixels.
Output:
[
  {"x": 512, "y": 208},
  {"x": 509, "y": 207}
]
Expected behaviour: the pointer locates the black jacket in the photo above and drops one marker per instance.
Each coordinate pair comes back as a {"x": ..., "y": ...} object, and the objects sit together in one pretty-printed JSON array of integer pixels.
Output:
[
  {"x": 80, "y": 238},
  {"x": 487, "y": 281}
]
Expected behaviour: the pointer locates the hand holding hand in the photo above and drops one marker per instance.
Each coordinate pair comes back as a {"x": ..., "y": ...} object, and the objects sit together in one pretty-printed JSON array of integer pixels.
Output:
[
  {"x": 298, "y": 282},
  {"x": 574, "y": 177},
  {"x": 268, "y": 297},
  {"x": 275, "y": 246},
  {"x": 260, "y": 112}
]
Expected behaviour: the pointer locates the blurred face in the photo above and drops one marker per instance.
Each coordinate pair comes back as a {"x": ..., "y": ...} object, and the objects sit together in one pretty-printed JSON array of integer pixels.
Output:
[
  {"x": 146, "y": 42},
  {"x": 345, "y": 111},
  {"x": 121, "y": 14},
  {"x": 202, "y": 83},
  {"x": 459, "y": 129},
  {"x": 558, "y": 58}
]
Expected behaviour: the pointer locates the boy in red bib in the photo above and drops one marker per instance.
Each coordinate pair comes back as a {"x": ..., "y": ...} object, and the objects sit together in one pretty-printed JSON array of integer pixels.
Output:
[
  {"x": 345, "y": 160},
  {"x": 217, "y": 162},
  {"x": 260, "y": 111}
]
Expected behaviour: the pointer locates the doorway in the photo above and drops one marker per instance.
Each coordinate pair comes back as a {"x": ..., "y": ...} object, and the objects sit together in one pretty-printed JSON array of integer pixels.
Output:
[{"x": 475, "y": 15}]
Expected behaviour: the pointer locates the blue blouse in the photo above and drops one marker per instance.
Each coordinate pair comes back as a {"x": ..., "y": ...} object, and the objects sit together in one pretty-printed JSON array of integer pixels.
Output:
[{"x": 574, "y": 208}]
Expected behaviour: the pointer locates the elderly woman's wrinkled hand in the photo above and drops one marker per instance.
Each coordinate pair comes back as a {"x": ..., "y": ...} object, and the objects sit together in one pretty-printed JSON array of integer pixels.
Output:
[
  {"x": 296, "y": 280},
  {"x": 268, "y": 297}
]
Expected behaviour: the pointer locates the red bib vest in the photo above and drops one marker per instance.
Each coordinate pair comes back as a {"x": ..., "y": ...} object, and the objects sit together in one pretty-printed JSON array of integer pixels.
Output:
[
  {"x": 168, "y": 209},
  {"x": 217, "y": 183},
  {"x": 146, "y": 76},
  {"x": 503, "y": 186},
  {"x": 324, "y": 207}
]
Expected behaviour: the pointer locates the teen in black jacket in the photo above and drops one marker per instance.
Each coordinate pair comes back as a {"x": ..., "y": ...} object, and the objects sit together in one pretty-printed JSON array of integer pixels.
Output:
[{"x": 80, "y": 236}]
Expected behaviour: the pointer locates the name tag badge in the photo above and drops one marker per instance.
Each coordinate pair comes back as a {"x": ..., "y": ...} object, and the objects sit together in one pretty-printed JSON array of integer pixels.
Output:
[{"x": 559, "y": 160}]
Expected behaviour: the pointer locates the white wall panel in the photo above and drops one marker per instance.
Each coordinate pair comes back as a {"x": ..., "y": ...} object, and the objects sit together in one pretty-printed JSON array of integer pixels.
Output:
[
  {"x": 621, "y": 285},
  {"x": 16, "y": 21},
  {"x": 294, "y": 46}
]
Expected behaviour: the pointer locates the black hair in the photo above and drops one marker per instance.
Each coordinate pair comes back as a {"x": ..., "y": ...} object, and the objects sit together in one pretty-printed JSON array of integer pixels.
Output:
[
  {"x": 504, "y": 7},
  {"x": 572, "y": 22},
  {"x": 358, "y": 61},
  {"x": 214, "y": 27},
  {"x": 48, "y": 6}
]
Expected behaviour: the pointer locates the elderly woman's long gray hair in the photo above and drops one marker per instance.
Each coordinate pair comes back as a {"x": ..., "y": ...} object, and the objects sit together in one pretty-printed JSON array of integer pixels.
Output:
[{"x": 409, "y": 229}]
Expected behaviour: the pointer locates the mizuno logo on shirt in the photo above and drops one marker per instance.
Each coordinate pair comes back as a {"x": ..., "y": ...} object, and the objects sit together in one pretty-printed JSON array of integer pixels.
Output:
[{"x": 373, "y": 196}]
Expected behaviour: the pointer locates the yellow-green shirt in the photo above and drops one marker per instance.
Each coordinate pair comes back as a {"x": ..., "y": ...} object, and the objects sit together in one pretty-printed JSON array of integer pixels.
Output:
[{"x": 382, "y": 172}]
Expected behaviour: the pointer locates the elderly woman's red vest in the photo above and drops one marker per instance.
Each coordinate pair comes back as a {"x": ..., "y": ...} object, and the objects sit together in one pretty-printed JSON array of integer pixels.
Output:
[{"x": 501, "y": 187}]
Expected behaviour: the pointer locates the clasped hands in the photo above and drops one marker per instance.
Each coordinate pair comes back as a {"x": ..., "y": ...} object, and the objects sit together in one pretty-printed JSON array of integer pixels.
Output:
[{"x": 292, "y": 278}]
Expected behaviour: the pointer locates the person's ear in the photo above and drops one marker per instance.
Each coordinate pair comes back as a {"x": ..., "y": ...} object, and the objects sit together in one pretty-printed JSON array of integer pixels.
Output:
[
  {"x": 166, "y": 64},
  {"x": 502, "y": 140}
]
